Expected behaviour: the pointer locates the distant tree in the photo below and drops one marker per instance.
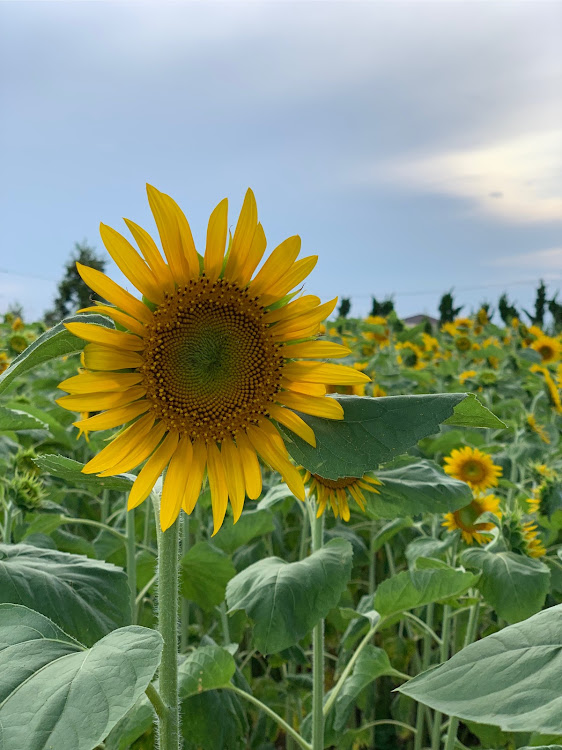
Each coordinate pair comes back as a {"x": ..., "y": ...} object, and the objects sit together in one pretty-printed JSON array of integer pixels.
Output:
[
  {"x": 447, "y": 311},
  {"x": 540, "y": 306},
  {"x": 344, "y": 308},
  {"x": 556, "y": 311},
  {"x": 73, "y": 293},
  {"x": 507, "y": 311},
  {"x": 382, "y": 309}
]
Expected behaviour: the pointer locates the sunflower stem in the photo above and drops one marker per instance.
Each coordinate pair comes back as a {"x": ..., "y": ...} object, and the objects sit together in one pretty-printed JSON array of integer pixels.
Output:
[
  {"x": 8, "y": 522},
  {"x": 184, "y": 618},
  {"x": 317, "y": 534},
  {"x": 168, "y": 596},
  {"x": 131, "y": 563},
  {"x": 444, "y": 655}
]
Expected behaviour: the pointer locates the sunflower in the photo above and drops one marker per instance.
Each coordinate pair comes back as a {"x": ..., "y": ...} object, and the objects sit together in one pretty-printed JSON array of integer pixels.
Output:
[
  {"x": 4, "y": 362},
  {"x": 466, "y": 375},
  {"x": 531, "y": 540},
  {"x": 336, "y": 492},
  {"x": 549, "y": 348},
  {"x": 538, "y": 428},
  {"x": 465, "y": 519},
  {"x": 206, "y": 363},
  {"x": 473, "y": 467}
]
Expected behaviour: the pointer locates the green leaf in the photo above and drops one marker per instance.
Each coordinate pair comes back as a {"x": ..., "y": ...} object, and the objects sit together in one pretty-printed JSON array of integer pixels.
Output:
[
  {"x": 45, "y": 523},
  {"x": 87, "y": 598},
  {"x": 71, "y": 471},
  {"x": 59, "y": 433},
  {"x": 15, "y": 419},
  {"x": 205, "y": 572},
  {"x": 56, "y": 694},
  {"x": 56, "y": 342},
  {"x": 251, "y": 524},
  {"x": 428, "y": 546},
  {"x": 373, "y": 431},
  {"x": 371, "y": 663},
  {"x": 388, "y": 531},
  {"x": 420, "y": 487},
  {"x": 285, "y": 600},
  {"x": 512, "y": 679},
  {"x": 471, "y": 413},
  {"x": 206, "y": 668},
  {"x": 514, "y": 585},
  {"x": 415, "y": 588}
]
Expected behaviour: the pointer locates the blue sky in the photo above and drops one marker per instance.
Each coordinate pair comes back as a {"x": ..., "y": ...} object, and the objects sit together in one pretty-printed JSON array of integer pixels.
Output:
[{"x": 414, "y": 146}]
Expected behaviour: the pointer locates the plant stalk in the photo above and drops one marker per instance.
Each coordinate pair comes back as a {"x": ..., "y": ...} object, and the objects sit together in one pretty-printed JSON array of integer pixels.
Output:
[
  {"x": 184, "y": 619},
  {"x": 131, "y": 563},
  {"x": 317, "y": 533}
]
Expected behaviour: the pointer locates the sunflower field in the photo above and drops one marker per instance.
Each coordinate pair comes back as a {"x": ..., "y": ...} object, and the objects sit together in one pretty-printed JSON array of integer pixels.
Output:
[{"x": 215, "y": 538}]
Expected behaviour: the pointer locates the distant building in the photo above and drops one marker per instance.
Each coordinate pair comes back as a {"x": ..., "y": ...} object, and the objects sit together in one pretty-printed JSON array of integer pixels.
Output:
[{"x": 415, "y": 320}]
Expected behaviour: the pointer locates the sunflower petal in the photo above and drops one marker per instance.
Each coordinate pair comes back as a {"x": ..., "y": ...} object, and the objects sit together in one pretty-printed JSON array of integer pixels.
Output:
[
  {"x": 217, "y": 484},
  {"x": 102, "y": 400},
  {"x": 294, "y": 423},
  {"x": 168, "y": 230},
  {"x": 309, "y": 389},
  {"x": 195, "y": 476},
  {"x": 120, "y": 445},
  {"x": 139, "y": 453},
  {"x": 250, "y": 466},
  {"x": 305, "y": 325},
  {"x": 234, "y": 475},
  {"x": 100, "y": 357},
  {"x": 297, "y": 273},
  {"x": 119, "y": 317},
  {"x": 152, "y": 256},
  {"x": 316, "y": 406},
  {"x": 112, "y": 292},
  {"x": 131, "y": 264},
  {"x": 276, "y": 266},
  {"x": 243, "y": 236},
  {"x": 92, "y": 382},
  {"x": 116, "y": 417},
  {"x": 313, "y": 349},
  {"x": 152, "y": 469},
  {"x": 175, "y": 483},
  {"x": 216, "y": 240},
  {"x": 293, "y": 309},
  {"x": 257, "y": 249},
  {"x": 276, "y": 459},
  {"x": 322, "y": 372},
  {"x": 106, "y": 336}
]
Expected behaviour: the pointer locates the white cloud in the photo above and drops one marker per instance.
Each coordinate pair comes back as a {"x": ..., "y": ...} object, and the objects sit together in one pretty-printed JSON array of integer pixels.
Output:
[{"x": 518, "y": 179}]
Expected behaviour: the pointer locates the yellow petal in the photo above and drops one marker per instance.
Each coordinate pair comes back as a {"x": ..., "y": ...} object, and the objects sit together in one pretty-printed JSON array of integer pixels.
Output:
[
  {"x": 276, "y": 459},
  {"x": 163, "y": 210},
  {"x": 113, "y": 417},
  {"x": 112, "y": 292},
  {"x": 250, "y": 466},
  {"x": 309, "y": 389},
  {"x": 243, "y": 236},
  {"x": 293, "y": 309},
  {"x": 93, "y": 382},
  {"x": 195, "y": 476},
  {"x": 313, "y": 349},
  {"x": 257, "y": 249},
  {"x": 152, "y": 255},
  {"x": 276, "y": 266},
  {"x": 305, "y": 325},
  {"x": 119, "y": 317},
  {"x": 101, "y": 401},
  {"x": 175, "y": 483},
  {"x": 139, "y": 452},
  {"x": 234, "y": 475},
  {"x": 100, "y": 357},
  {"x": 297, "y": 273},
  {"x": 325, "y": 407},
  {"x": 106, "y": 336},
  {"x": 322, "y": 372},
  {"x": 294, "y": 423},
  {"x": 217, "y": 484},
  {"x": 216, "y": 240},
  {"x": 131, "y": 263},
  {"x": 152, "y": 469},
  {"x": 120, "y": 445}
]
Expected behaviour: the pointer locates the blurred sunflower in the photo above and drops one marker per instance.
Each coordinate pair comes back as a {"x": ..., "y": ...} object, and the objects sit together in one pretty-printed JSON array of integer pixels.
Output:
[
  {"x": 549, "y": 348},
  {"x": 538, "y": 428},
  {"x": 4, "y": 362},
  {"x": 336, "y": 492},
  {"x": 18, "y": 343},
  {"x": 473, "y": 467},
  {"x": 531, "y": 540},
  {"x": 465, "y": 519},
  {"x": 466, "y": 375},
  {"x": 206, "y": 365}
]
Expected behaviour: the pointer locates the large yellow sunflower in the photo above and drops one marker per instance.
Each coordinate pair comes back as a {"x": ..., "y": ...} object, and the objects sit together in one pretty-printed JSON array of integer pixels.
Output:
[
  {"x": 335, "y": 492},
  {"x": 207, "y": 363},
  {"x": 473, "y": 467},
  {"x": 465, "y": 519}
]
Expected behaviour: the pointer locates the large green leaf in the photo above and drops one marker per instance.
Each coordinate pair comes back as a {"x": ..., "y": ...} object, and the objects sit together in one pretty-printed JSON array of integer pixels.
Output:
[
  {"x": 56, "y": 694},
  {"x": 373, "y": 431},
  {"x": 251, "y": 524},
  {"x": 206, "y": 668},
  {"x": 371, "y": 663},
  {"x": 205, "y": 572},
  {"x": 420, "y": 487},
  {"x": 285, "y": 600},
  {"x": 471, "y": 413},
  {"x": 415, "y": 588},
  {"x": 514, "y": 585},
  {"x": 71, "y": 471},
  {"x": 15, "y": 419},
  {"x": 512, "y": 679},
  {"x": 56, "y": 342},
  {"x": 86, "y": 598},
  {"x": 60, "y": 434}
]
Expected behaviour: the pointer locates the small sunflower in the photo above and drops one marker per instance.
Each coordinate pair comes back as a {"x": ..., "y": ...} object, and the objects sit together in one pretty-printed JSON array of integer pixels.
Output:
[
  {"x": 473, "y": 467},
  {"x": 411, "y": 355},
  {"x": 466, "y": 519},
  {"x": 207, "y": 364},
  {"x": 549, "y": 348},
  {"x": 18, "y": 343},
  {"x": 466, "y": 375},
  {"x": 4, "y": 362},
  {"x": 538, "y": 428},
  {"x": 531, "y": 540},
  {"x": 18, "y": 324},
  {"x": 336, "y": 492}
]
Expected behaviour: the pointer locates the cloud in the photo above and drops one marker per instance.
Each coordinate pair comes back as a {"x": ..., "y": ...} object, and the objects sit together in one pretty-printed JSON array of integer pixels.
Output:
[{"x": 518, "y": 180}]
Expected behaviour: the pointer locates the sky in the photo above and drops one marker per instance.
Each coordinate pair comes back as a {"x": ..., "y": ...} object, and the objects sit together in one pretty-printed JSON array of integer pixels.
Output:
[{"x": 414, "y": 146}]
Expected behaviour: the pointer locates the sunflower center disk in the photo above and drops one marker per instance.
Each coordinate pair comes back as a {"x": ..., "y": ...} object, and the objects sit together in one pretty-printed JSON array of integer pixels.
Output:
[
  {"x": 210, "y": 365},
  {"x": 337, "y": 484},
  {"x": 473, "y": 471}
]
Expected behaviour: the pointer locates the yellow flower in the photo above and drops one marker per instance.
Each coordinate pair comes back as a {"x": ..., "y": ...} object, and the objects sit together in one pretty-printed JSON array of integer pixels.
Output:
[
  {"x": 538, "y": 428},
  {"x": 378, "y": 392},
  {"x": 463, "y": 323},
  {"x": 465, "y": 519},
  {"x": 336, "y": 492},
  {"x": 4, "y": 362},
  {"x": 207, "y": 364},
  {"x": 464, "y": 376},
  {"x": 548, "y": 347},
  {"x": 551, "y": 387},
  {"x": 18, "y": 343},
  {"x": 534, "y": 502},
  {"x": 482, "y": 316},
  {"x": 18, "y": 324},
  {"x": 531, "y": 540},
  {"x": 463, "y": 343},
  {"x": 411, "y": 355},
  {"x": 430, "y": 343},
  {"x": 473, "y": 467}
]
